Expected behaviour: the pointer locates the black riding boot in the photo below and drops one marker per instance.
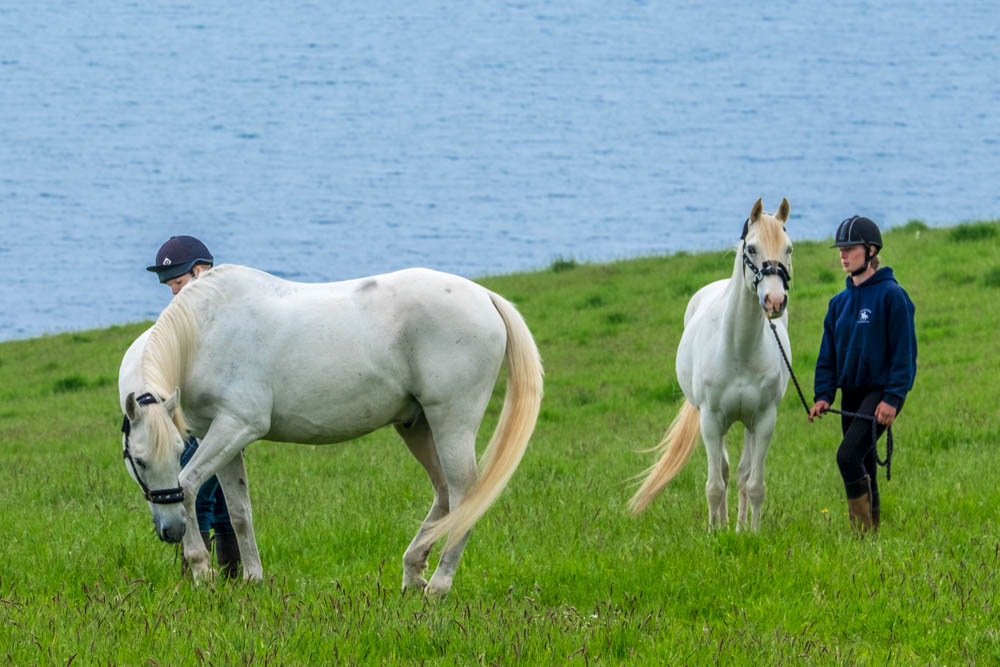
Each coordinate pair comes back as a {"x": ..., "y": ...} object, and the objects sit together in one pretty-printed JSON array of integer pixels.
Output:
[{"x": 227, "y": 550}]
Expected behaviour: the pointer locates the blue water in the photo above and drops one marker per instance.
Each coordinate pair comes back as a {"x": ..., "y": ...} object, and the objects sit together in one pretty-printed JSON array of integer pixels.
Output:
[{"x": 323, "y": 141}]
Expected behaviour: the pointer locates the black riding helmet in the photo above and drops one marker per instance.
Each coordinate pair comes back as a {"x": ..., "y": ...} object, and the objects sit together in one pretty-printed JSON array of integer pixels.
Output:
[
  {"x": 178, "y": 256},
  {"x": 858, "y": 230}
]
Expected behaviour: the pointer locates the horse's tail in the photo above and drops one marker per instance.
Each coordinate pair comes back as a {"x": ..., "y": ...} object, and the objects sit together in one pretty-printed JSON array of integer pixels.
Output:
[
  {"x": 676, "y": 448},
  {"x": 514, "y": 429}
]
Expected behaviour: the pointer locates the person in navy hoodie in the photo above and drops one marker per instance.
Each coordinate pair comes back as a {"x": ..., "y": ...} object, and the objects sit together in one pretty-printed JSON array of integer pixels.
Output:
[
  {"x": 179, "y": 261},
  {"x": 869, "y": 352}
]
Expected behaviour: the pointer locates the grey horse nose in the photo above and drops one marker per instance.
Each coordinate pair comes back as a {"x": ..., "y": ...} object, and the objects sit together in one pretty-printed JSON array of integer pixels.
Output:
[{"x": 173, "y": 533}]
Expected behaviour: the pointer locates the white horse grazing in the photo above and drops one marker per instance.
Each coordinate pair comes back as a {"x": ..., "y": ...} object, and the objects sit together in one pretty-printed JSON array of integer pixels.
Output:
[
  {"x": 730, "y": 368},
  {"x": 240, "y": 355}
]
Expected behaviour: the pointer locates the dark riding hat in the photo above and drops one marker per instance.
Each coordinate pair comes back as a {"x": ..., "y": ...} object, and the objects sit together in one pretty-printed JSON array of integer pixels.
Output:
[
  {"x": 178, "y": 256},
  {"x": 858, "y": 230}
]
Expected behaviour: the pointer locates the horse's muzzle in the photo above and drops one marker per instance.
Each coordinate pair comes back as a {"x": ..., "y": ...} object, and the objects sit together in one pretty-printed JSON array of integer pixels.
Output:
[
  {"x": 171, "y": 533},
  {"x": 774, "y": 308}
]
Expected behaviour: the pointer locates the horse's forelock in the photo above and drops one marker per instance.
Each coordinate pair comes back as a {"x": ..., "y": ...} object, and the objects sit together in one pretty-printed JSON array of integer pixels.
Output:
[
  {"x": 159, "y": 433},
  {"x": 771, "y": 236}
]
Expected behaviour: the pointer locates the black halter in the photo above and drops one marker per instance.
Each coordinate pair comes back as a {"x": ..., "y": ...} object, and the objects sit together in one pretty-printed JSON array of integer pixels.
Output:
[
  {"x": 768, "y": 268},
  {"x": 159, "y": 496}
]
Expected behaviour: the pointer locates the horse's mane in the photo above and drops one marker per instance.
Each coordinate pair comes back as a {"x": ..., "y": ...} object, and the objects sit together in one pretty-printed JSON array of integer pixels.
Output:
[{"x": 171, "y": 345}]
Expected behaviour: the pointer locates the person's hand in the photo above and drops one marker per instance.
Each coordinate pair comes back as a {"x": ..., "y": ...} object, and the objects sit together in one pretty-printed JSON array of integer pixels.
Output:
[
  {"x": 818, "y": 409},
  {"x": 885, "y": 414}
]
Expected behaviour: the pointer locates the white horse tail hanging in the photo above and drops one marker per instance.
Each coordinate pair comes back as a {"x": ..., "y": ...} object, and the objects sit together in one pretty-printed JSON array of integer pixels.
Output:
[
  {"x": 730, "y": 370},
  {"x": 240, "y": 355},
  {"x": 510, "y": 439},
  {"x": 674, "y": 451}
]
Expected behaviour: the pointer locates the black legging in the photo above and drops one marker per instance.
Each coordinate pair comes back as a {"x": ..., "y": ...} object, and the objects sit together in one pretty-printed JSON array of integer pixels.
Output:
[{"x": 856, "y": 456}]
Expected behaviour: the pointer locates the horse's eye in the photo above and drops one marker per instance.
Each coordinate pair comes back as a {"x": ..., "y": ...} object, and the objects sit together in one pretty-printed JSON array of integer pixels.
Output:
[
  {"x": 789, "y": 251},
  {"x": 140, "y": 463},
  {"x": 752, "y": 250}
]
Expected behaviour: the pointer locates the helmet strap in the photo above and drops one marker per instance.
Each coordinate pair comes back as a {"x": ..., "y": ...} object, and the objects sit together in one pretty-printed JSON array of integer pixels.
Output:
[{"x": 864, "y": 267}]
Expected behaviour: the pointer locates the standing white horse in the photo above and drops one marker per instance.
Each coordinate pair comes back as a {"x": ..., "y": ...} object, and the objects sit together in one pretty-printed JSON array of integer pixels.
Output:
[
  {"x": 730, "y": 369},
  {"x": 240, "y": 355}
]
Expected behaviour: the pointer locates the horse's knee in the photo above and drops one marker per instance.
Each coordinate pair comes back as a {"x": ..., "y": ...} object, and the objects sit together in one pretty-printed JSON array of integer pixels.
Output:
[
  {"x": 755, "y": 491},
  {"x": 715, "y": 492}
]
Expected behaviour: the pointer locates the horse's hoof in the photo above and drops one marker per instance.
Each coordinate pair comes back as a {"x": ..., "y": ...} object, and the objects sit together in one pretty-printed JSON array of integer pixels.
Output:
[
  {"x": 418, "y": 583},
  {"x": 437, "y": 587},
  {"x": 206, "y": 576}
]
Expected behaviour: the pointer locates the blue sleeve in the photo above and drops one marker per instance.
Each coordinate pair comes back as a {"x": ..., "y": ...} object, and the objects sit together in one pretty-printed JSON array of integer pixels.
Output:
[
  {"x": 902, "y": 348},
  {"x": 825, "y": 383}
]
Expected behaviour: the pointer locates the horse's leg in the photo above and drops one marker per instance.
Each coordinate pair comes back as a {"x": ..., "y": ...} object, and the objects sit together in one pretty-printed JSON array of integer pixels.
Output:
[
  {"x": 233, "y": 478},
  {"x": 226, "y": 437},
  {"x": 421, "y": 443},
  {"x": 763, "y": 430},
  {"x": 194, "y": 549},
  {"x": 718, "y": 469},
  {"x": 743, "y": 473},
  {"x": 455, "y": 443}
]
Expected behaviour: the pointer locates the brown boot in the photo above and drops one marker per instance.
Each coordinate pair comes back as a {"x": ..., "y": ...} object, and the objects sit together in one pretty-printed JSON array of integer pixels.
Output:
[{"x": 860, "y": 508}]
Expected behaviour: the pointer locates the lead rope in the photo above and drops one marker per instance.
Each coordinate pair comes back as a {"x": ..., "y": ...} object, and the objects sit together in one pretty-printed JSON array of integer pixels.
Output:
[{"x": 887, "y": 463}]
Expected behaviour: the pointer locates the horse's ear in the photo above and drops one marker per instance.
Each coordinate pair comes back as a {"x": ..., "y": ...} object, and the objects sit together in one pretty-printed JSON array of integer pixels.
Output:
[
  {"x": 130, "y": 406},
  {"x": 171, "y": 403},
  {"x": 782, "y": 214},
  {"x": 755, "y": 212}
]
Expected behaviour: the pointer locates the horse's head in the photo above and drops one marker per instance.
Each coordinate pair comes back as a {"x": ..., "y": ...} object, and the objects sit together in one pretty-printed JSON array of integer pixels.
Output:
[
  {"x": 767, "y": 257},
  {"x": 152, "y": 447}
]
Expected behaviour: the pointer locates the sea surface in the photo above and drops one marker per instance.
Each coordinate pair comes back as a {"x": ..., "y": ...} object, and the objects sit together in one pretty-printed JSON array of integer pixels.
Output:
[{"x": 329, "y": 140}]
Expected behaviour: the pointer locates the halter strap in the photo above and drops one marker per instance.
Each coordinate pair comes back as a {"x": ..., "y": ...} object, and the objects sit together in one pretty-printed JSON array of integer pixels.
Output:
[
  {"x": 768, "y": 268},
  {"x": 146, "y": 399},
  {"x": 156, "y": 496}
]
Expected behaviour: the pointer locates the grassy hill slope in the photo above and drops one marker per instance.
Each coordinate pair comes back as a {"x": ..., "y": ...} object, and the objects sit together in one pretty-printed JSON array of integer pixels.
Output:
[{"x": 555, "y": 571}]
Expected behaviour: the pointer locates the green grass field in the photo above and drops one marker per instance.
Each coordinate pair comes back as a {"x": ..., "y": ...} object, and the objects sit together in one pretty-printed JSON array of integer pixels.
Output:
[{"x": 555, "y": 572}]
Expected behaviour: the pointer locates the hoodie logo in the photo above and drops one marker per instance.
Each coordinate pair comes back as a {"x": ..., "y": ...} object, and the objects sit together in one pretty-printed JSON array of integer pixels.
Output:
[{"x": 865, "y": 316}]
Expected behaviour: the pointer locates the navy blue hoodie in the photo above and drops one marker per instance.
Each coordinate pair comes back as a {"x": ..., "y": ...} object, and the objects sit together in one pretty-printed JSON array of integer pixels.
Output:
[{"x": 868, "y": 340}]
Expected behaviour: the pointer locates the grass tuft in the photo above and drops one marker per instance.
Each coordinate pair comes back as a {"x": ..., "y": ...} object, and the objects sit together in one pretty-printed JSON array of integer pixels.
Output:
[
  {"x": 71, "y": 383},
  {"x": 978, "y": 231},
  {"x": 992, "y": 277},
  {"x": 826, "y": 276},
  {"x": 913, "y": 226},
  {"x": 560, "y": 265}
]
